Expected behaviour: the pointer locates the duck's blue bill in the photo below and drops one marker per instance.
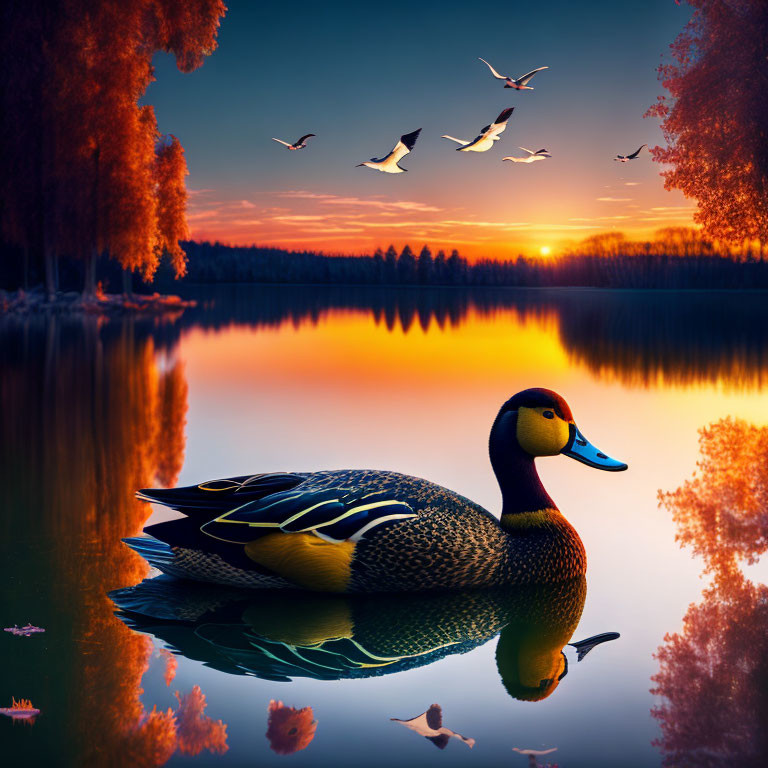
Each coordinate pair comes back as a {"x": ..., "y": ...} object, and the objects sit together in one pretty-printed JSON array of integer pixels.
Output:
[{"x": 579, "y": 448}]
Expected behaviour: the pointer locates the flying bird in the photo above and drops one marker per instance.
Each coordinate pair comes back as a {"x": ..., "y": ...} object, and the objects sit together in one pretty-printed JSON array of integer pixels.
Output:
[
  {"x": 300, "y": 144},
  {"x": 531, "y": 157},
  {"x": 484, "y": 140},
  {"x": 627, "y": 158},
  {"x": 388, "y": 163},
  {"x": 520, "y": 83}
]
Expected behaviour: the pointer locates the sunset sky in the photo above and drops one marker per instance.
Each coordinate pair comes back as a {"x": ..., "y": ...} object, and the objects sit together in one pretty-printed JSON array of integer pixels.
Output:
[{"x": 361, "y": 74}]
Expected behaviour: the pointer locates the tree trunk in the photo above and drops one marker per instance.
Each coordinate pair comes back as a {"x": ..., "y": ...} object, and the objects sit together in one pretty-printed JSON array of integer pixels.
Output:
[
  {"x": 51, "y": 277},
  {"x": 25, "y": 282},
  {"x": 56, "y": 272},
  {"x": 127, "y": 283},
  {"x": 89, "y": 282}
]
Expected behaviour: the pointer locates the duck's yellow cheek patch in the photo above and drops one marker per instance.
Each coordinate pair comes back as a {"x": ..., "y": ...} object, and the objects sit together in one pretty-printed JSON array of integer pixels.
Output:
[
  {"x": 539, "y": 435},
  {"x": 305, "y": 559}
]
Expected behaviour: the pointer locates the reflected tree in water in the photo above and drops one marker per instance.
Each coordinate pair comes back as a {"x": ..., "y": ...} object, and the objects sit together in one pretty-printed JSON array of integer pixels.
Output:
[
  {"x": 93, "y": 409},
  {"x": 713, "y": 674},
  {"x": 289, "y": 730},
  {"x": 639, "y": 339},
  {"x": 194, "y": 730}
]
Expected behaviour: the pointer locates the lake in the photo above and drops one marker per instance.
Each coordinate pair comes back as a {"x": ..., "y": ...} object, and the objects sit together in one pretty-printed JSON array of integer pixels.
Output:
[{"x": 269, "y": 378}]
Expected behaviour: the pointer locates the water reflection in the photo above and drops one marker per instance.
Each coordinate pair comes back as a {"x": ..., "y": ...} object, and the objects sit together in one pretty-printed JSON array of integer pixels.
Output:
[
  {"x": 90, "y": 410},
  {"x": 332, "y": 637},
  {"x": 429, "y": 724},
  {"x": 640, "y": 338},
  {"x": 289, "y": 730},
  {"x": 713, "y": 674}
]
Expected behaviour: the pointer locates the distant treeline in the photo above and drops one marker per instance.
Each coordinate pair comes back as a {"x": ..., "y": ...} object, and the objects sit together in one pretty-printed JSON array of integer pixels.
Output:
[
  {"x": 677, "y": 258},
  {"x": 680, "y": 259}
]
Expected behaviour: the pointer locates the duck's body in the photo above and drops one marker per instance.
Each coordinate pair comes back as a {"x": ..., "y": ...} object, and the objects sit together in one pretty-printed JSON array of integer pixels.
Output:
[
  {"x": 377, "y": 531},
  {"x": 445, "y": 542}
]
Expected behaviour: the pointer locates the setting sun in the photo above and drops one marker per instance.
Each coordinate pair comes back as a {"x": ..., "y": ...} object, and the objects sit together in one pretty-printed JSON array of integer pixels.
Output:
[{"x": 545, "y": 250}]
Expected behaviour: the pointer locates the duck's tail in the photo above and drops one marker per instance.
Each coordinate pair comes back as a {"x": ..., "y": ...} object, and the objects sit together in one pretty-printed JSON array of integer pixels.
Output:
[{"x": 157, "y": 553}]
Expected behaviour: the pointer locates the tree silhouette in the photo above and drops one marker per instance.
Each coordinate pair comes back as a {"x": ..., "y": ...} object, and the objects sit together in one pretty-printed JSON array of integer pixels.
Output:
[
  {"x": 715, "y": 117},
  {"x": 424, "y": 267},
  {"x": 406, "y": 266}
]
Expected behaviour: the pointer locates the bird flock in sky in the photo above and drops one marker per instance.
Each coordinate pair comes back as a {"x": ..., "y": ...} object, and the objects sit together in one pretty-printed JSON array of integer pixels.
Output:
[{"x": 488, "y": 136}]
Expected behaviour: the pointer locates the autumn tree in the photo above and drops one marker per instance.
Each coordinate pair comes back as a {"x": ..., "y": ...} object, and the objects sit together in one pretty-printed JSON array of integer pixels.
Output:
[
  {"x": 80, "y": 175},
  {"x": 171, "y": 168},
  {"x": 715, "y": 118}
]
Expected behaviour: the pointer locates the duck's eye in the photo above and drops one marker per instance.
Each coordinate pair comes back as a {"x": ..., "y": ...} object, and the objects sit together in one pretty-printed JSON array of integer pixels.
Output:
[{"x": 548, "y": 415}]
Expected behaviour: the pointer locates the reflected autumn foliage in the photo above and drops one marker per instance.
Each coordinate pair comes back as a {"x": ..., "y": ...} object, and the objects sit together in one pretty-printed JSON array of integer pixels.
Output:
[
  {"x": 713, "y": 674},
  {"x": 196, "y": 732},
  {"x": 91, "y": 411},
  {"x": 288, "y": 729}
]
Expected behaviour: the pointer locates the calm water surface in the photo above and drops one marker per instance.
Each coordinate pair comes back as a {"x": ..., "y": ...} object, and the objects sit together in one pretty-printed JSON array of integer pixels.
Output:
[{"x": 261, "y": 379}]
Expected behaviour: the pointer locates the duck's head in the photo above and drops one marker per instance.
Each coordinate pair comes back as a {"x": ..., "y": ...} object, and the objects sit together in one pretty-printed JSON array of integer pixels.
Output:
[{"x": 539, "y": 422}]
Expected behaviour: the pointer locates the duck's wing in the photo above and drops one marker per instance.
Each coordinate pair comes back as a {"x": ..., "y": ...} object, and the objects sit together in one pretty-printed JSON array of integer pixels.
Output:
[
  {"x": 215, "y": 496},
  {"x": 280, "y": 141},
  {"x": 635, "y": 153},
  {"x": 526, "y": 77},
  {"x": 332, "y": 514},
  {"x": 304, "y": 138},
  {"x": 528, "y": 151},
  {"x": 493, "y": 71}
]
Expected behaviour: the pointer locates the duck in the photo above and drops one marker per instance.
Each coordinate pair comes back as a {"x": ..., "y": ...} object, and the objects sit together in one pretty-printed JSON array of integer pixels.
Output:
[{"x": 369, "y": 531}]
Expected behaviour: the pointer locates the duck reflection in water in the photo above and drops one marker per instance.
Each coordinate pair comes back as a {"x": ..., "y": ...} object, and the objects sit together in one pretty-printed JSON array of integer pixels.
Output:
[{"x": 278, "y": 636}]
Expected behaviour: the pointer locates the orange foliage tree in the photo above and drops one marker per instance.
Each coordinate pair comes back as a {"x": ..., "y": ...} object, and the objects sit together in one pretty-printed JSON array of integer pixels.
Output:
[
  {"x": 722, "y": 511},
  {"x": 80, "y": 174},
  {"x": 715, "y": 118}
]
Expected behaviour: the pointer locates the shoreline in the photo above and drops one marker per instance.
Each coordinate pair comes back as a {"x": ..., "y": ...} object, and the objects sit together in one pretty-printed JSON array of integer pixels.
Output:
[{"x": 35, "y": 302}]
